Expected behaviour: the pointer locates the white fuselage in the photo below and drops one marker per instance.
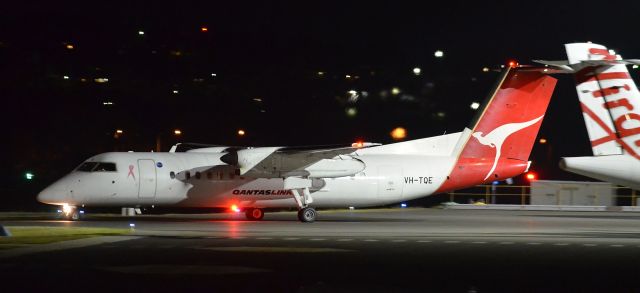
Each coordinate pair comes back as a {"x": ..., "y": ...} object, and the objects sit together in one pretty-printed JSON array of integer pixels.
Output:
[
  {"x": 143, "y": 179},
  {"x": 619, "y": 169}
]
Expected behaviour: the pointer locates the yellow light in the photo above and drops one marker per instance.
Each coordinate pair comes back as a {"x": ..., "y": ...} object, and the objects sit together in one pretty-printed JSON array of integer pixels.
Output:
[
  {"x": 543, "y": 140},
  {"x": 119, "y": 131},
  {"x": 177, "y": 132},
  {"x": 69, "y": 46},
  {"x": 485, "y": 69},
  {"x": 398, "y": 133},
  {"x": 351, "y": 111},
  {"x": 241, "y": 132},
  {"x": 357, "y": 144},
  {"x": 395, "y": 91},
  {"x": 66, "y": 208},
  {"x": 204, "y": 29},
  {"x": 235, "y": 208}
]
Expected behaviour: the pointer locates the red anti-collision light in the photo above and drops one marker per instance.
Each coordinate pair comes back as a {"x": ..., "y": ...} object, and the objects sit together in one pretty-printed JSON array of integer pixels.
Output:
[{"x": 531, "y": 176}]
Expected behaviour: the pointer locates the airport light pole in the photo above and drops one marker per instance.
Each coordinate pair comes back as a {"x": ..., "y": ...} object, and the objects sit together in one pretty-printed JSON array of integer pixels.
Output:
[{"x": 177, "y": 133}]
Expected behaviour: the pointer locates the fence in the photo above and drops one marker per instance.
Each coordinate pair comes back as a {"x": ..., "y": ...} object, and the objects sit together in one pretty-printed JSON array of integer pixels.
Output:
[{"x": 521, "y": 194}]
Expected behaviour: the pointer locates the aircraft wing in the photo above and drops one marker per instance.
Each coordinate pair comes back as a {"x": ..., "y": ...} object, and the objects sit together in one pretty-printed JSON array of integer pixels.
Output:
[{"x": 305, "y": 161}]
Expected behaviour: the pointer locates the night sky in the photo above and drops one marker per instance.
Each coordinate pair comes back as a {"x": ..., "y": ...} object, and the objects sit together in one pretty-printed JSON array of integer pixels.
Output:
[{"x": 278, "y": 71}]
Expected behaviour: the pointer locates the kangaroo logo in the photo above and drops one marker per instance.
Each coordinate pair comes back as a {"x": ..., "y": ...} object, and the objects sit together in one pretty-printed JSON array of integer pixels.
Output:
[{"x": 496, "y": 137}]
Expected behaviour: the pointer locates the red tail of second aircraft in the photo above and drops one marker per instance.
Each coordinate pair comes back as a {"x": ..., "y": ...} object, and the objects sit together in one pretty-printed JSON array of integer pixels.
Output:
[{"x": 502, "y": 136}]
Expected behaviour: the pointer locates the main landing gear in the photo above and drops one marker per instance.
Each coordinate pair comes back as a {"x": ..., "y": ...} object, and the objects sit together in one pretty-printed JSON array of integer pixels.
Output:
[
  {"x": 307, "y": 215},
  {"x": 303, "y": 198},
  {"x": 254, "y": 214}
]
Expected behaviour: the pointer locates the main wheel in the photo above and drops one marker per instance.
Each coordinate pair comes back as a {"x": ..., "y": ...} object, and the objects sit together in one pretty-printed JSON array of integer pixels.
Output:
[
  {"x": 307, "y": 215},
  {"x": 254, "y": 214}
]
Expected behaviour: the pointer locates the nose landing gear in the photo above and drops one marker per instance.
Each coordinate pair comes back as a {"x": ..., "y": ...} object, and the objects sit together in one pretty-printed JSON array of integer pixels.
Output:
[{"x": 71, "y": 213}]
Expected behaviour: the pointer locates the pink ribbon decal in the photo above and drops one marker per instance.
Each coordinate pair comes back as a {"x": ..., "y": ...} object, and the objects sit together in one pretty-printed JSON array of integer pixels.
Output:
[{"x": 131, "y": 172}]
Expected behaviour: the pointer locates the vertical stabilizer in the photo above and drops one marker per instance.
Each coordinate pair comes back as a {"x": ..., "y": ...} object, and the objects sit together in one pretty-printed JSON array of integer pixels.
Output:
[{"x": 504, "y": 132}]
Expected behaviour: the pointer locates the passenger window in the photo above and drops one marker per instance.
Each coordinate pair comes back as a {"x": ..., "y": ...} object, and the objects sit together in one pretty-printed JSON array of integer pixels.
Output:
[
  {"x": 187, "y": 175},
  {"x": 209, "y": 175},
  {"x": 172, "y": 175},
  {"x": 197, "y": 175}
]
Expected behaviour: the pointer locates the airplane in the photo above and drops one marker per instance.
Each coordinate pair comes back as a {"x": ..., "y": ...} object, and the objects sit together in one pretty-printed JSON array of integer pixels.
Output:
[
  {"x": 610, "y": 104},
  {"x": 495, "y": 147}
]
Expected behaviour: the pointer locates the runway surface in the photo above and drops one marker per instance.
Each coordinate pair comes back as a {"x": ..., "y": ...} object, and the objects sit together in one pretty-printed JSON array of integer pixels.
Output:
[{"x": 345, "y": 251}]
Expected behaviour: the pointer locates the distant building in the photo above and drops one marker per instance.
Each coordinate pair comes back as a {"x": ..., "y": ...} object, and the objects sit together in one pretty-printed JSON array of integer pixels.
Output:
[{"x": 580, "y": 193}]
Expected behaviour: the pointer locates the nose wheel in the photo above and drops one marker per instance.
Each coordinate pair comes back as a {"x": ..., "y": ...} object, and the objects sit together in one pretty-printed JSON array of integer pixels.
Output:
[
  {"x": 71, "y": 213},
  {"x": 307, "y": 215}
]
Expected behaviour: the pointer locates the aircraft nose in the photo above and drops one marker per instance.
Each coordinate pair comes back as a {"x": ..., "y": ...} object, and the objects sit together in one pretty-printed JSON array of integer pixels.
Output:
[{"x": 54, "y": 194}]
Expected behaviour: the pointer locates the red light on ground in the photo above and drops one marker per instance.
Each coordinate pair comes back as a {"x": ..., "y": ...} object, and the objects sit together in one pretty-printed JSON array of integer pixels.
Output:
[
  {"x": 235, "y": 208},
  {"x": 531, "y": 176},
  {"x": 204, "y": 29},
  {"x": 513, "y": 63}
]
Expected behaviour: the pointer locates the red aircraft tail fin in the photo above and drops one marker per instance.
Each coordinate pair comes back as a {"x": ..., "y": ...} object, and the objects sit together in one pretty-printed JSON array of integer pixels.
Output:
[{"x": 503, "y": 133}]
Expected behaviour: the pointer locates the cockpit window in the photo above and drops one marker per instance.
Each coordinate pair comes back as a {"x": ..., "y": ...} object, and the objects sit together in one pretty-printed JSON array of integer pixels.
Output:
[
  {"x": 105, "y": 167},
  {"x": 97, "y": 167},
  {"x": 87, "y": 166}
]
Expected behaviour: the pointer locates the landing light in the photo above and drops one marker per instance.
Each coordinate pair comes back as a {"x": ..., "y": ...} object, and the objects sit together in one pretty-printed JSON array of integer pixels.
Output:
[
  {"x": 357, "y": 144},
  {"x": 66, "y": 208}
]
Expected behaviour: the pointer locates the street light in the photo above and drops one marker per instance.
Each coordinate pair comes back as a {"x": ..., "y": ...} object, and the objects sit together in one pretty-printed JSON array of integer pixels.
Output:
[
  {"x": 241, "y": 132},
  {"x": 399, "y": 133},
  {"x": 177, "y": 132}
]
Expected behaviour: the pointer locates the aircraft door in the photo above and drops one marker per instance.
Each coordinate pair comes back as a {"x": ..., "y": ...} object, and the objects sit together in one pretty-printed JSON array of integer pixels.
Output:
[
  {"x": 148, "y": 180},
  {"x": 390, "y": 182}
]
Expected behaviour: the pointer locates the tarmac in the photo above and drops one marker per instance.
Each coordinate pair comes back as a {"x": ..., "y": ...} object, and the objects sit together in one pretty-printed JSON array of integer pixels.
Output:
[{"x": 384, "y": 250}]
